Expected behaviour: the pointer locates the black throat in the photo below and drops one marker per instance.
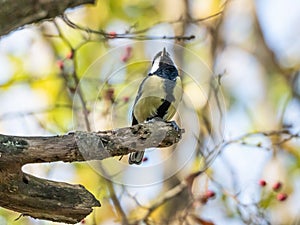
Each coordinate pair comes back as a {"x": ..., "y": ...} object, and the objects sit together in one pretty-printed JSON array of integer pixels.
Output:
[{"x": 166, "y": 71}]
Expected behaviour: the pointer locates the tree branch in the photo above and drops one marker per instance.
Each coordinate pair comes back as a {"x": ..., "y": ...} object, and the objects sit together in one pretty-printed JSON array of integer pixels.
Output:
[
  {"x": 17, "y": 13},
  {"x": 45, "y": 199},
  {"x": 84, "y": 146},
  {"x": 59, "y": 201}
]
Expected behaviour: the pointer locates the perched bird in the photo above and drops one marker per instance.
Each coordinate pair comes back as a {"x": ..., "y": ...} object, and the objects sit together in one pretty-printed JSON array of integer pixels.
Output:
[{"x": 158, "y": 96}]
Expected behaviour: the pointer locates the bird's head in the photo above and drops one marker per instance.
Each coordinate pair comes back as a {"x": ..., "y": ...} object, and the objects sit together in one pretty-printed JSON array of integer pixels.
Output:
[{"x": 163, "y": 66}]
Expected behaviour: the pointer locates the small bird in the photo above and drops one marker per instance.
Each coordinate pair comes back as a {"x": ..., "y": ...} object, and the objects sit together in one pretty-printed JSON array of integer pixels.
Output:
[{"x": 158, "y": 96}]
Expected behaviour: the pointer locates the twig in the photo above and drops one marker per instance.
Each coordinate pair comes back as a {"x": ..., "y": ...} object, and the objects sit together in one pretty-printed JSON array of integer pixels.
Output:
[
  {"x": 114, "y": 197},
  {"x": 134, "y": 34}
]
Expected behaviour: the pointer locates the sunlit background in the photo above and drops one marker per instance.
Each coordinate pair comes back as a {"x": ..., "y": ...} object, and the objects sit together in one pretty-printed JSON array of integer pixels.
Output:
[{"x": 249, "y": 51}]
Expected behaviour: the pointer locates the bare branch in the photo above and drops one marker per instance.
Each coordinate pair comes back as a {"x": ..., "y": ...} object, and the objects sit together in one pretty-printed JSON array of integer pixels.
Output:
[
  {"x": 104, "y": 35},
  {"x": 80, "y": 145}
]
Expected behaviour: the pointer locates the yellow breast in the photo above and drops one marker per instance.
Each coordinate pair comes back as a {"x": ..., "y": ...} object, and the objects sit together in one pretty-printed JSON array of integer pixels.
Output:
[{"x": 153, "y": 93}]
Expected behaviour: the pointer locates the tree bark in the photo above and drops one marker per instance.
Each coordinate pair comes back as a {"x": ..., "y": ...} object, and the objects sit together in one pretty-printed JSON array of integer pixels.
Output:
[
  {"x": 17, "y": 13},
  {"x": 58, "y": 201}
]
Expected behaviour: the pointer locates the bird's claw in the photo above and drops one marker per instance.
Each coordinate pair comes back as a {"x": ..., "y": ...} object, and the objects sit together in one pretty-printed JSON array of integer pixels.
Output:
[{"x": 173, "y": 123}]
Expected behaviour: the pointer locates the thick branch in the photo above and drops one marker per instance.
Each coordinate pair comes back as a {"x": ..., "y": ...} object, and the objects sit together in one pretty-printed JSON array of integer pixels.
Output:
[
  {"x": 83, "y": 146},
  {"x": 45, "y": 199},
  {"x": 59, "y": 201},
  {"x": 17, "y": 13}
]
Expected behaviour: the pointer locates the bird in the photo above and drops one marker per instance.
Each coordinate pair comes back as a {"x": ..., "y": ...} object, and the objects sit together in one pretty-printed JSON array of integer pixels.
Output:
[{"x": 158, "y": 96}]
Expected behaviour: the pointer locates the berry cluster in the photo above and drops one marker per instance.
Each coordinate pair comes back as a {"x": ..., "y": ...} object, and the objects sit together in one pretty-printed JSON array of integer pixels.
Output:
[{"x": 276, "y": 187}]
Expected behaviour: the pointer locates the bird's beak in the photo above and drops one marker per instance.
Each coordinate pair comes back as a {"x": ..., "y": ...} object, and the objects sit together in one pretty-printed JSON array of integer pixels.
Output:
[{"x": 164, "y": 52}]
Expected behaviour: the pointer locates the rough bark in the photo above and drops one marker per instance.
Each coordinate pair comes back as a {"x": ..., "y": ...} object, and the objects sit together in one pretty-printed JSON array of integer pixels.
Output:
[
  {"x": 17, "y": 13},
  {"x": 58, "y": 201}
]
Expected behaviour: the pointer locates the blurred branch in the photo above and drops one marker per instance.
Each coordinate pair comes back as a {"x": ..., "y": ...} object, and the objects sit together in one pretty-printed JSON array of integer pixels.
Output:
[
  {"x": 265, "y": 54},
  {"x": 295, "y": 84},
  {"x": 113, "y": 196},
  {"x": 183, "y": 20},
  {"x": 283, "y": 135},
  {"x": 15, "y": 14},
  {"x": 170, "y": 194},
  {"x": 73, "y": 76},
  {"x": 127, "y": 35},
  {"x": 63, "y": 202}
]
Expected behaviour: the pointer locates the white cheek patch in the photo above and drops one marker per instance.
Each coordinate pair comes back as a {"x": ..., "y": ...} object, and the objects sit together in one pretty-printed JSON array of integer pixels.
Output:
[{"x": 155, "y": 65}]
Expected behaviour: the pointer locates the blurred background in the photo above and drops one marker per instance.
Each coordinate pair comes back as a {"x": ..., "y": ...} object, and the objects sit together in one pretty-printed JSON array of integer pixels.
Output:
[{"x": 239, "y": 63}]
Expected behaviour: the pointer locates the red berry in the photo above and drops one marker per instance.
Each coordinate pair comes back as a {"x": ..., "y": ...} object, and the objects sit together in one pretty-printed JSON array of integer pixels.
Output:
[
  {"x": 60, "y": 64},
  {"x": 262, "y": 183},
  {"x": 126, "y": 99},
  {"x": 124, "y": 58},
  {"x": 145, "y": 159},
  {"x": 112, "y": 34},
  {"x": 128, "y": 48},
  {"x": 277, "y": 186},
  {"x": 210, "y": 194},
  {"x": 281, "y": 197},
  {"x": 127, "y": 54},
  {"x": 69, "y": 55}
]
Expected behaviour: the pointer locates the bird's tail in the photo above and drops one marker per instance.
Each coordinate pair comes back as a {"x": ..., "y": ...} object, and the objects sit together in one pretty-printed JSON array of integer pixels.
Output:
[{"x": 136, "y": 157}]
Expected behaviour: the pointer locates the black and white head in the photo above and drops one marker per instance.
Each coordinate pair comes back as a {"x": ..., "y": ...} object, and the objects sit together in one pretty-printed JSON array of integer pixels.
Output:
[{"x": 163, "y": 66}]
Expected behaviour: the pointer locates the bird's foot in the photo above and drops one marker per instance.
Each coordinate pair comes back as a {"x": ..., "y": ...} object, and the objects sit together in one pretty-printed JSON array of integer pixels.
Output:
[{"x": 173, "y": 123}]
